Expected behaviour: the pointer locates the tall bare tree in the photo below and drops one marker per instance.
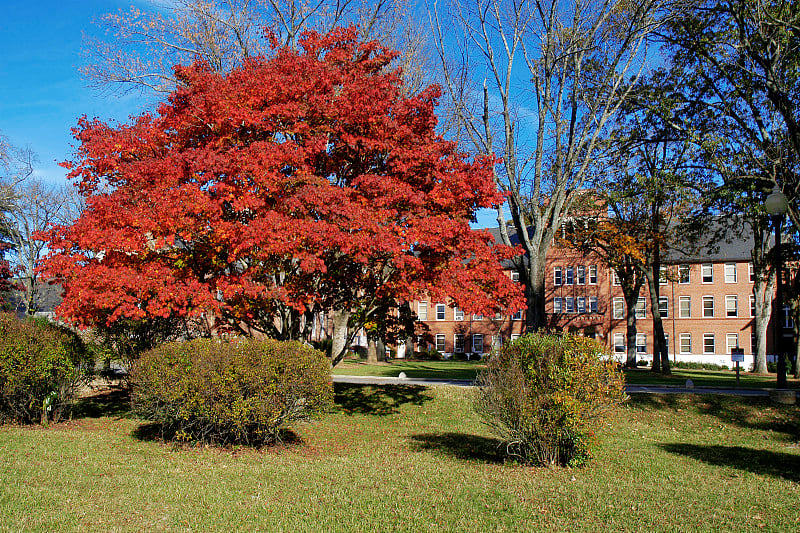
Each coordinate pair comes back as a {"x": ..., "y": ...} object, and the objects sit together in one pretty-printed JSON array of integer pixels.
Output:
[
  {"x": 138, "y": 48},
  {"x": 538, "y": 83}
]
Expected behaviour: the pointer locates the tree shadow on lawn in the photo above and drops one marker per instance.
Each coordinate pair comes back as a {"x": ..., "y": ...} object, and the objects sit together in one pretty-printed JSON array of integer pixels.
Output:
[
  {"x": 762, "y": 462},
  {"x": 377, "y": 400},
  {"x": 113, "y": 401},
  {"x": 744, "y": 412},
  {"x": 461, "y": 446},
  {"x": 157, "y": 432}
]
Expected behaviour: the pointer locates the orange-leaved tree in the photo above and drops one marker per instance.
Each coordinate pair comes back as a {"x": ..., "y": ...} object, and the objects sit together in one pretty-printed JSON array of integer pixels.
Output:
[{"x": 301, "y": 183}]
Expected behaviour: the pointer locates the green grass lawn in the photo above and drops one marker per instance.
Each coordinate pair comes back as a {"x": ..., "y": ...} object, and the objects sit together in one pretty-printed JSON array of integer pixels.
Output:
[
  {"x": 639, "y": 376},
  {"x": 411, "y": 459}
]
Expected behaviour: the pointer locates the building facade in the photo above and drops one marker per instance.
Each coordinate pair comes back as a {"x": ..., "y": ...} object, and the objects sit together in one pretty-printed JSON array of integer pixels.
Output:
[{"x": 706, "y": 306}]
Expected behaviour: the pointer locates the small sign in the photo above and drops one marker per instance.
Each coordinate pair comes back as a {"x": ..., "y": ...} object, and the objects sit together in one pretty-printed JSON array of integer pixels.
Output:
[{"x": 737, "y": 354}]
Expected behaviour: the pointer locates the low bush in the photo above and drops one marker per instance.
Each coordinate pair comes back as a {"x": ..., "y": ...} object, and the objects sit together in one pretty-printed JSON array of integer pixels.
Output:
[
  {"x": 224, "y": 392},
  {"x": 42, "y": 367},
  {"x": 545, "y": 396},
  {"x": 691, "y": 365},
  {"x": 431, "y": 354}
]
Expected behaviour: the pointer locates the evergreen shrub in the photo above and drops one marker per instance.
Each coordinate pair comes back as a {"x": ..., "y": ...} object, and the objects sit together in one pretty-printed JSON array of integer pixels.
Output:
[
  {"x": 42, "y": 367},
  {"x": 240, "y": 391},
  {"x": 546, "y": 396}
]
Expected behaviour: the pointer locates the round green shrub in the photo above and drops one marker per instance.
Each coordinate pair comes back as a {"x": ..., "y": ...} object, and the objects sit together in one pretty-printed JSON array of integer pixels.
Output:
[
  {"x": 240, "y": 391},
  {"x": 545, "y": 396},
  {"x": 42, "y": 367}
]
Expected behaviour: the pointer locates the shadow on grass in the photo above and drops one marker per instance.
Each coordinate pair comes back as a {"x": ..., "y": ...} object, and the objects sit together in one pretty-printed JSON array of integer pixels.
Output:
[
  {"x": 156, "y": 432},
  {"x": 762, "y": 462},
  {"x": 112, "y": 402},
  {"x": 743, "y": 412},
  {"x": 461, "y": 446},
  {"x": 374, "y": 400}
]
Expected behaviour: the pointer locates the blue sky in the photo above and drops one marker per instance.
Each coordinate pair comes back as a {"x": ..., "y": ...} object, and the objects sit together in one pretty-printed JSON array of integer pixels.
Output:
[{"x": 41, "y": 91}]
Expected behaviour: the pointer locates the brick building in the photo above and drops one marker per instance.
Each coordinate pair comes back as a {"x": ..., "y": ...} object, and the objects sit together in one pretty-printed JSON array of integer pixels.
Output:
[{"x": 706, "y": 305}]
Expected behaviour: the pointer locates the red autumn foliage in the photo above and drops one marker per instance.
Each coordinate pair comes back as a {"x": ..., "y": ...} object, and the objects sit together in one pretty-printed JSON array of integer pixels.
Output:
[{"x": 304, "y": 181}]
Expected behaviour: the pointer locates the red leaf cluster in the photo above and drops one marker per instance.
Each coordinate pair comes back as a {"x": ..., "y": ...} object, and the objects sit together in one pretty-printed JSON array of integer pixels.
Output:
[{"x": 305, "y": 181}]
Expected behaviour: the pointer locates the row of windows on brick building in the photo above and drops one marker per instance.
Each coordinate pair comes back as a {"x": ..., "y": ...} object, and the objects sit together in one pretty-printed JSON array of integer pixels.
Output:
[
  {"x": 685, "y": 346},
  {"x": 587, "y": 274},
  {"x": 440, "y": 313}
]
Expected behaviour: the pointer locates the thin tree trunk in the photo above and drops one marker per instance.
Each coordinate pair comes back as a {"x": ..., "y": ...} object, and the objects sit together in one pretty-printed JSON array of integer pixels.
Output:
[
  {"x": 762, "y": 290},
  {"x": 660, "y": 355},
  {"x": 340, "y": 336}
]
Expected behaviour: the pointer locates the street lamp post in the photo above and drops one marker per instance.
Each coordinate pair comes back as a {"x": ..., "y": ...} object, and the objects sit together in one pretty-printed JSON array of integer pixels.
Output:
[{"x": 776, "y": 205}]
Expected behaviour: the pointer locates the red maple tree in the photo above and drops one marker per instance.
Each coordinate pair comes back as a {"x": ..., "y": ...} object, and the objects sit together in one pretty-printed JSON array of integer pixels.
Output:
[{"x": 298, "y": 183}]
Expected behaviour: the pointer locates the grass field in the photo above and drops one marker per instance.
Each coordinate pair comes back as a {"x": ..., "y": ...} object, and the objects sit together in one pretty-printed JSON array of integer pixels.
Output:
[
  {"x": 410, "y": 459},
  {"x": 639, "y": 376}
]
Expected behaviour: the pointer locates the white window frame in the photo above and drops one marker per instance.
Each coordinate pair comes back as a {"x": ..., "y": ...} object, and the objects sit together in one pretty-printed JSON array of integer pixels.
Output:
[
  {"x": 513, "y": 337},
  {"x": 752, "y": 305},
  {"x": 422, "y": 310},
  {"x": 558, "y": 276},
  {"x": 569, "y": 275},
  {"x": 618, "y": 307},
  {"x": 708, "y": 298},
  {"x": 684, "y": 346},
  {"x": 663, "y": 277},
  {"x": 458, "y": 314},
  {"x": 477, "y": 337},
  {"x": 734, "y": 299},
  {"x": 615, "y": 281},
  {"x": 684, "y": 269},
  {"x": 688, "y": 308},
  {"x": 569, "y": 304},
  {"x": 440, "y": 336},
  {"x": 706, "y": 338},
  {"x": 558, "y": 305},
  {"x": 592, "y": 304},
  {"x": 581, "y": 275},
  {"x": 517, "y": 315},
  {"x": 728, "y": 345},
  {"x": 663, "y": 306},
  {"x": 641, "y": 307},
  {"x": 592, "y": 274},
  {"x": 580, "y": 304},
  {"x": 710, "y": 268},
  {"x": 751, "y": 273},
  {"x": 730, "y": 272},
  {"x": 458, "y": 343},
  {"x": 477, "y": 318},
  {"x": 641, "y": 343},
  {"x": 441, "y": 310},
  {"x": 619, "y": 343}
]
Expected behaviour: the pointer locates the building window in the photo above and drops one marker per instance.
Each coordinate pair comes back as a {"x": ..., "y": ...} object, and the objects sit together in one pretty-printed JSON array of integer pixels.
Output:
[
  {"x": 581, "y": 275},
  {"x": 440, "y": 342},
  {"x": 683, "y": 274},
  {"x": 422, "y": 311},
  {"x": 557, "y": 309},
  {"x": 458, "y": 314},
  {"x": 581, "y": 304},
  {"x": 666, "y": 342},
  {"x": 477, "y": 318},
  {"x": 752, "y": 343},
  {"x": 751, "y": 273},
  {"x": 663, "y": 306},
  {"x": 615, "y": 278},
  {"x": 477, "y": 343},
  {"x": 685, "y": 307},
  {"x": 641, "y": 343},
  {"x": 569, "y": 275},
  {"x": 593, "y": 304},
  {"x": 569, "y": 305},
  {"x": 708, "y": 307},
  {"x": 619, "y": 343},
  {"x": 619, "y": 308},
  {"x": 731, "y": 342},
  {"x": 731, "y": 305},
  {"x": 557, "y": 279},
  {"x": 686, "y": 343},
  {"x": 517, "y": 315},
  {"x": 498, "y": 316},
  {"x": 641, "y": 308},
  {"x": 752, "y": 306},
  {"x": 707, "y": 273},
  {"x": 662, "y": 275},
  {"x": 515, "y": 276},
  {"x": 497, "y": 342},
  {"x": 514, "y": 336},
  {"x": 730, "y": 272},
  {"x": 788, "y": 323},
  {"x": 458, "y": 343},
  {"x": 708, "y": 343},
  {"x": 440, "y": 310},
  {"x": 592, "y": 274}
]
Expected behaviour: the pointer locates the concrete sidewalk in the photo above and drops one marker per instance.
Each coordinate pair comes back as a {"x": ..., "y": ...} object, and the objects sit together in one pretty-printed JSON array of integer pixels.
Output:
[{"x": 630, "y": 389}]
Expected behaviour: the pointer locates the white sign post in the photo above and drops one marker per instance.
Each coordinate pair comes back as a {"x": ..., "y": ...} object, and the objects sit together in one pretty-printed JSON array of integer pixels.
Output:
[{"x": 737, "y": 356}]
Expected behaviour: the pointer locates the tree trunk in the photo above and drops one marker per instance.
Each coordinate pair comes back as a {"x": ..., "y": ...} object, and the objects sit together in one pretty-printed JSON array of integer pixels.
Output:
[
  {"x": 763, "y": 292},
  {"x": 536, "y": 317},
  {"x": 630, "y": 331},
  {"x": 340, "y": 335},
  {"x": 660, "y": 355}
]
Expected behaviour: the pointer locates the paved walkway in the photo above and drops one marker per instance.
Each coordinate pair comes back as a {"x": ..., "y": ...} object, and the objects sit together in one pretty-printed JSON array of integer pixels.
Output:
[{"x": 630, "y": 389}]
